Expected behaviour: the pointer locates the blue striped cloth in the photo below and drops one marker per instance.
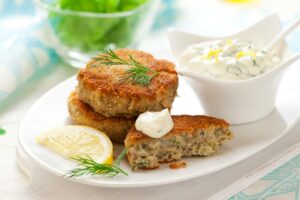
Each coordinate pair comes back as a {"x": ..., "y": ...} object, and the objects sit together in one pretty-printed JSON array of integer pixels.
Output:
[
  {"x": 16, "y": 7},
  {"x": 23, "y": 45}
]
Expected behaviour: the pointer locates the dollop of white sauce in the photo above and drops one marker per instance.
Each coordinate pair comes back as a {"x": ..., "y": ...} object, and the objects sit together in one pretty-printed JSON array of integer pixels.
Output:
[
  {"x": 155, "y": 124},
  {"x": 229, "y": 59}
]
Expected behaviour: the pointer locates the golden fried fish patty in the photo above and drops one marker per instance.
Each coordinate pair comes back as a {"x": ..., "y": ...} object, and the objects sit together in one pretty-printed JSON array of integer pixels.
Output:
[
  {"x": 190, "y": 136},
  {"x": 104, "y": 89},
  {"x": 81, "y": 113}
]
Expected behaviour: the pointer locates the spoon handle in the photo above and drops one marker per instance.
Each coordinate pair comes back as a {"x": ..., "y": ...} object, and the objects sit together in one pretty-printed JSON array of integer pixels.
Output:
[{"x": 282, "y": 35}]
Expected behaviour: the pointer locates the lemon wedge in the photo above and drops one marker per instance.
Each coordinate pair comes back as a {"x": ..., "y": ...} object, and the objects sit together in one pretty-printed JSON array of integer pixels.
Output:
[{"x": 74, "y": 141}]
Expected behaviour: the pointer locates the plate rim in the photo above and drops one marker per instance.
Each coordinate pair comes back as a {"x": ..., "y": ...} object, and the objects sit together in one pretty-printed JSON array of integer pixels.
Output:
[{"x": 103, "y": 183}]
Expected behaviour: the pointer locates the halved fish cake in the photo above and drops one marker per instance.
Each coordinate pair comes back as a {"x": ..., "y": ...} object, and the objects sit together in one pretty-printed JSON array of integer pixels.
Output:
[{"x": 190, "y": 136}]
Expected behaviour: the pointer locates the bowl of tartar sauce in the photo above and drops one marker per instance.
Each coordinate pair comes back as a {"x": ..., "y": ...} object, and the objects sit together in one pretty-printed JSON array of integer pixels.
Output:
[
  {"x": 229, "y": 59},
  {"x": 234, "y": 77}
]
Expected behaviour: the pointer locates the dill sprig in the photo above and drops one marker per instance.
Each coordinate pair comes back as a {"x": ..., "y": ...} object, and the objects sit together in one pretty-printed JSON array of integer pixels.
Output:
[
  {"x": 138, "y": 74},
  {"x": 120, "y": 157},
  {"x": 89, "y": 166}
]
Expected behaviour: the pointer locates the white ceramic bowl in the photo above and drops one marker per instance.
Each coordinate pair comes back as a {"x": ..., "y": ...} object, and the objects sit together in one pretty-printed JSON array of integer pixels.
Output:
[{"x": 240, "y": 101}]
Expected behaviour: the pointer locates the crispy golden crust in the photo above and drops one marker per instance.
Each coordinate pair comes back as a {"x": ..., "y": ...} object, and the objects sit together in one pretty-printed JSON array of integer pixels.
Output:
[
  {"x": 182, "y": 124},
  {"x": 177, "y": 165},
  {"x": 82, "y": 114},
  {"x": 103, "y": 89}
]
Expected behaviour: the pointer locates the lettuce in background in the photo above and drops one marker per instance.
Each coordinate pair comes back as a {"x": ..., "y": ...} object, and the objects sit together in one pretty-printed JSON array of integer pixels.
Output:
[{"x": 90, "y": 34}]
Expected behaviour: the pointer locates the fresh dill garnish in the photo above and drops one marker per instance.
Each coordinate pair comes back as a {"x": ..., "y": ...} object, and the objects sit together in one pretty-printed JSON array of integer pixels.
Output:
[
  {"x": 2, "y": 131},
  {"x": 120, "y": 157},
  {"x": 138, "y": 74},
  {"x": 89, "y": 166}
]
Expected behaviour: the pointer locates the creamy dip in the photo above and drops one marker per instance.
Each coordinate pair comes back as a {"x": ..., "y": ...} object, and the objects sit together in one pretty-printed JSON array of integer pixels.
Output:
[
  {"x": 155, "y": 124},
  {"x": 229, "y": 59}
]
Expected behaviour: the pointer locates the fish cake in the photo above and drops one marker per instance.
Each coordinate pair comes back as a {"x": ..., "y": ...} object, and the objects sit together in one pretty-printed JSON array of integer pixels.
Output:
[
  {"x": 81, "y": 113},
  {"x": 190, "y": 136},
  {"x": 104, "y": 89}
]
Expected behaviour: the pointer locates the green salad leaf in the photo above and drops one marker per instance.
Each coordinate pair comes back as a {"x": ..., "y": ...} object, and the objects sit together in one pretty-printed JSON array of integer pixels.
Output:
[{"x": 90, "y": 34}]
